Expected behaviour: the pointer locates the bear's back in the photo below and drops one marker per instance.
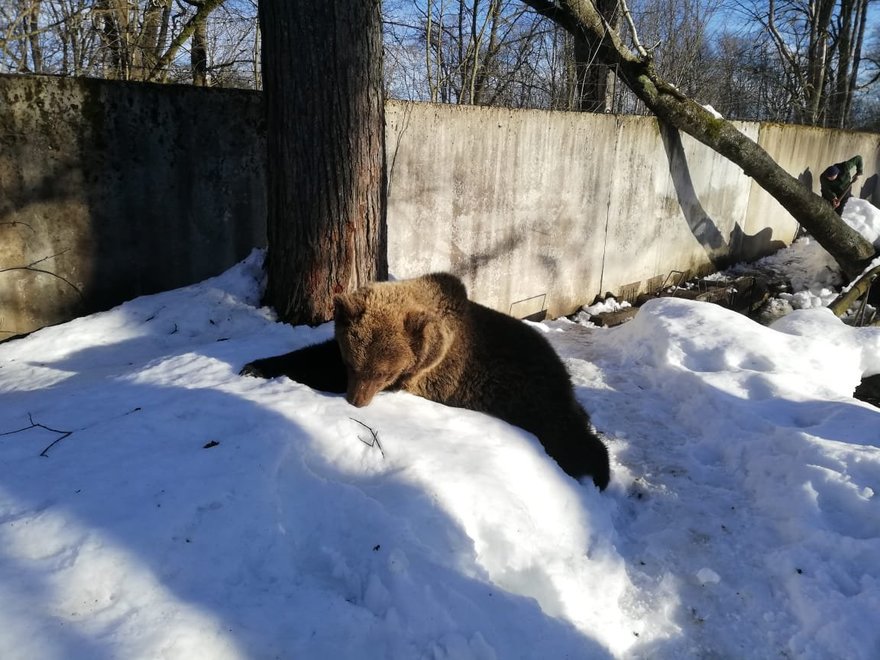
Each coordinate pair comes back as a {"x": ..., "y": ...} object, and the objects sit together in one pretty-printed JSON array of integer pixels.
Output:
[{"x": 511, "y": 371}]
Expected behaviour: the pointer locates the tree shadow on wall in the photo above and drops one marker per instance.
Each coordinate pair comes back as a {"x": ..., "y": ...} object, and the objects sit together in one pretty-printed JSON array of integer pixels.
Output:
[
  {"x": 468, "y": 265},
  {"x": 35, "y": 259},
  {"x": 868, "y": 190},
  {"x": 806, "y": 178},
  {"x": 721, "y": 252}
]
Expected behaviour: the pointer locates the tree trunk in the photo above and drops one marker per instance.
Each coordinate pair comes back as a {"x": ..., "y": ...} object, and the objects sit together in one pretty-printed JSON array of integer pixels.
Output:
[
  {"x": 591, "y": 76},
  {"x": 198, "y": 52},
  {"x": 818, "y": 57},
  {"x": 322, "y": 76},
  {"x": 849, "y": 249},
  {"x": 851, "y": 30},
  {"x": 152, "y": 37},
  {"x": 112, "y": 39},
  {"x": 32, "y": 29}
]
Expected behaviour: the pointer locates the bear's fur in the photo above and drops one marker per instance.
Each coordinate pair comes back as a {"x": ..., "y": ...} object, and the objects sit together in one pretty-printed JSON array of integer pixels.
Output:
[{"x": 425, "y": 337}]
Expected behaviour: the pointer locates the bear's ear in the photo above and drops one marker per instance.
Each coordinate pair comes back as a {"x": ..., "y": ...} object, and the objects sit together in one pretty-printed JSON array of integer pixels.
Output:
[
  {"x": 347, "y": 308},
  {"x": 428, "y": 337}
]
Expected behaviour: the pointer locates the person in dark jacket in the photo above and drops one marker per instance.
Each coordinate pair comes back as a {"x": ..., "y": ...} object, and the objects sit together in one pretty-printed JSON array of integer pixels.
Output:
[{"x": 837, "y": 180}]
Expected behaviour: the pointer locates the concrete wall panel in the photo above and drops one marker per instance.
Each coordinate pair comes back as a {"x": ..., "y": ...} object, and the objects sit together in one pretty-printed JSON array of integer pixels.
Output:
[
  {"x": 113, "y": 190},
  {"x": 511, "y": 201}
]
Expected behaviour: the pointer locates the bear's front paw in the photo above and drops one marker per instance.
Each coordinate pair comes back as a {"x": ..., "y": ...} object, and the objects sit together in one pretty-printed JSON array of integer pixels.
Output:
[{"x": 252, "y": 369}]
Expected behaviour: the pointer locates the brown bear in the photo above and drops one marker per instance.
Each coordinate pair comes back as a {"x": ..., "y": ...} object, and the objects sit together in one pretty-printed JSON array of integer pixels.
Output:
[{"x": 425, "y": 337}]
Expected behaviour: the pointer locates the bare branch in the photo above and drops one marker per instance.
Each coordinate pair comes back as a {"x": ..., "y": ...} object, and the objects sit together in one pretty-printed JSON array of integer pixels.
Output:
[
  {"x": 30, "y": 268},
  {"x": 34, "y": 425},
  {"x": 632, "y": 28},
  {"x": 204, "y": 8},
  {"x": 370, "y": 442}
]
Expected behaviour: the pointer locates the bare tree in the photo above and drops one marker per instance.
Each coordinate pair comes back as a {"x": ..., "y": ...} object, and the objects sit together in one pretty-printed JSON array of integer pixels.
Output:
[
  {"x": 12, "y": 19},
  {"x": 818, "y": 44},
  {"x": 850, "y": 41},
  {"x": 203, "y": 41},
  {"x": 322, "y": 71},
  {"x": 745, "y": 81},
  {"x": 478, "y": 52},
  {"x": 32, "y": 30}
]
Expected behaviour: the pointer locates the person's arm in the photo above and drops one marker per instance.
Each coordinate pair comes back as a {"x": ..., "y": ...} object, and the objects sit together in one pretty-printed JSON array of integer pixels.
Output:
[{"x": 855, "y": 161}]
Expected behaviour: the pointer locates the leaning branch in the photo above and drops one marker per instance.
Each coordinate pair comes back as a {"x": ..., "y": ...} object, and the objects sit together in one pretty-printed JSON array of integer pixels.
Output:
[{"x": 856, "y": 290}]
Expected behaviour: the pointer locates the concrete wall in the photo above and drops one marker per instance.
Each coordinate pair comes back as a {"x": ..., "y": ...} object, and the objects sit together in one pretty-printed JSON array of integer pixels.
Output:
[
  {"x": 541, "y": 211},
  {"x": 112, "y": 190},
  {"x": 512, "y": 201}
]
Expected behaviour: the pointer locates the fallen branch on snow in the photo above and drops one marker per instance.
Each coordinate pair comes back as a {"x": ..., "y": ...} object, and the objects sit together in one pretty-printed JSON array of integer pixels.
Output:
[
  {"x": 35, "y": 425},
  {"x": 374, "y": 441}
]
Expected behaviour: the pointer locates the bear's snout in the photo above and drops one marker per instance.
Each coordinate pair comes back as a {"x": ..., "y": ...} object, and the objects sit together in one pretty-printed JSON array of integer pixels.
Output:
[
  {"x": 360, "y": 394},
  {"x": 357, "y": 401}
]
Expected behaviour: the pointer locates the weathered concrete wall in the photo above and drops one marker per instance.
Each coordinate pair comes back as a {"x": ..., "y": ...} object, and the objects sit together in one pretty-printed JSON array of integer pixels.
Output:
[
  {"x": 541, "y": 211},
  {"x": 512, "y": 201},
  {"x": 112, "y": 190}
]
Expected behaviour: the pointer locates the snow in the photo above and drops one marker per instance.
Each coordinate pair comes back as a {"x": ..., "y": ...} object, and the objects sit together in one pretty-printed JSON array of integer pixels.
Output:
[{"x": 194, "y": 513}]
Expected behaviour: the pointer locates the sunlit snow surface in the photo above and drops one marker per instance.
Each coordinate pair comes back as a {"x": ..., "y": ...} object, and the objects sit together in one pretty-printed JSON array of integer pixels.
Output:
[{"x": 193, "y": 513}]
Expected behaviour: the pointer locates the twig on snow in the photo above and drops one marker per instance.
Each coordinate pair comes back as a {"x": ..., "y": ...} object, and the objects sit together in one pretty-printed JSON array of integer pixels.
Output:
[
  {"x": 62, "y": 434},
  {"x": 371, "y": 442},
  {"x": 34, "y": 425}
]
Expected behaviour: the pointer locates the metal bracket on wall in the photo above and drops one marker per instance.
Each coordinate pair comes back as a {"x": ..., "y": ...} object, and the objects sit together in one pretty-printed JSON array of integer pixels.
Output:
[
  {"x": 682, "y": 278},
  {"x": 533, "y": 308}
]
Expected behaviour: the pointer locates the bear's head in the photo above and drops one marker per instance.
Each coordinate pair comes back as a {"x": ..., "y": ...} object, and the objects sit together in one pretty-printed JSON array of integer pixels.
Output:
[{"x": 385, "y": 344}]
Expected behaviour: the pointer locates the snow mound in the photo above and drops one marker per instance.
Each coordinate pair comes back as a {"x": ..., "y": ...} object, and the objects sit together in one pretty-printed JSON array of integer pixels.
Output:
[{"x": 155, "y": 504}]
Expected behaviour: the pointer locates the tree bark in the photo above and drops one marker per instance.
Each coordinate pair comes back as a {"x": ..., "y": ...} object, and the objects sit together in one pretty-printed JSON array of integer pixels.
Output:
[
  {"x": 322, "y": 76},
  {"x": 592, "y": 76},
  {"x": 112, "y": 32},
  {"x": 32, "y": 30},
  {"x": 152, "y": 37},
  {"x": 849, "y": 249},
  {"x": 198, "y": 52}
]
